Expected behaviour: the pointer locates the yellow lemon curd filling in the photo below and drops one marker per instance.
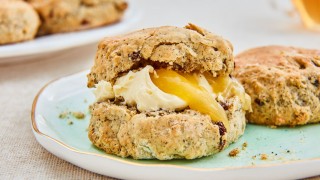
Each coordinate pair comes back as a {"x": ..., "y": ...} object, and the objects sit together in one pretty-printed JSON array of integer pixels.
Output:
[
  {"x": 186, "y": 87},
  {"x": 151, "y": 90}
]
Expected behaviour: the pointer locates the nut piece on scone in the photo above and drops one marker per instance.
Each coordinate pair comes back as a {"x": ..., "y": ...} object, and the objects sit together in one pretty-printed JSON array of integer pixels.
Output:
[
  {"x": 64, "y": 16},
  {"x": 18, "y": 22},
  {"x": 283, "y": 83},
  {"x": 166, "y": 93}
]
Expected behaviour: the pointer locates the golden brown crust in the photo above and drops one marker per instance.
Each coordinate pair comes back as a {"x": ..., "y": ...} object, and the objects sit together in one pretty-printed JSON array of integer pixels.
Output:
[
  {"x": 64, "y": 16},
  {"x": 18, "y": 21},
  {"x": 283, "y": 83},
  {"x": 162, "y": 135},
  {"x": 186, "y": 49}
]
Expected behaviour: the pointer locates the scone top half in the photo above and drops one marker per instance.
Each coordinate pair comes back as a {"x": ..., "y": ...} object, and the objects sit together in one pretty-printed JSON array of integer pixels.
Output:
[
  {"x": 173, "y": 77},
  {"x": 186, "y": 49}
]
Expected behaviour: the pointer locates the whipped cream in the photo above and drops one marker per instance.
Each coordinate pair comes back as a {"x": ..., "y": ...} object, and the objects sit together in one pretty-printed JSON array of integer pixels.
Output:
[
  {"x": 138, "y": 89},
  {"x": 103, "y": 91}
]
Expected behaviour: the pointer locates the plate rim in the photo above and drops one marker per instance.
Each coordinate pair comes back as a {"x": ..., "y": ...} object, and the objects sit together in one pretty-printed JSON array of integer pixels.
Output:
[{"x": 67, "y": 147}]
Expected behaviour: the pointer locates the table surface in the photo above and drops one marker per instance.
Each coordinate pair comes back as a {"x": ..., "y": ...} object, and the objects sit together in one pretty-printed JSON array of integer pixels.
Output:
[{"x": 22, "y": 157}]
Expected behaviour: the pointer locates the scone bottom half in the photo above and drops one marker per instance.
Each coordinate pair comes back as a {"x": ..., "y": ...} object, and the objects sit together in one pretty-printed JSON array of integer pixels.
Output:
[{"x": 152, "y": 109}]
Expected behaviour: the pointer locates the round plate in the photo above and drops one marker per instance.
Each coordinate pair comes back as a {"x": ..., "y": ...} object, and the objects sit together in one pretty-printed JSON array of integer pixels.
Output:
[
  {"x": 45, "y": 45},
  {"x": 289, "y": 153}
]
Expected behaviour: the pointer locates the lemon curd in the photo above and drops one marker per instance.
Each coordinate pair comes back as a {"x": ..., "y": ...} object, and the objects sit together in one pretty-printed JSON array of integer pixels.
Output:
[
  {"x": 229, "y": 87},
  {"x": 186, "y": 87}
]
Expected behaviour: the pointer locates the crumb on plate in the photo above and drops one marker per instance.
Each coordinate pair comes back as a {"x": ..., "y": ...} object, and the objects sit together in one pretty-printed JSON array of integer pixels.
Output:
[
  {"x": 78, "y": 115},
  {"x": 63, "y": 114},
  {"x": 234, "y": 152},
  {"x": 263, "y": 156},
  {"x": 244, "y": 145}
]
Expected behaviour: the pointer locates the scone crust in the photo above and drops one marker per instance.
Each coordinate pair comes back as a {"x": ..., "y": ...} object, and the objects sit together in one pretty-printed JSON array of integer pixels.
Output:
[
  {"x": 185, "y": 49},
  {"x": 64, "y": 16},
  {"x": 18, "y": 21},
  {"x": 283, "y": 83},
  {"x": 125, "y": 132}
]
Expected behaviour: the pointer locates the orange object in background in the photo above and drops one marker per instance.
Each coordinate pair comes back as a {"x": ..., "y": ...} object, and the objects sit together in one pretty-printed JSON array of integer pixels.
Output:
[{"x": 309, "y": 11}]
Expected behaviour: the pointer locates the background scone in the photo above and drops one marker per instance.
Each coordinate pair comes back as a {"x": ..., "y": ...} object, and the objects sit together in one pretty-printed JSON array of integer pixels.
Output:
[
  {"x": 65, "y": 16},
  {"x": 283, "y": 83},
  {"x": 142, "y": 110},
  {"x": 18, "y": 21}
]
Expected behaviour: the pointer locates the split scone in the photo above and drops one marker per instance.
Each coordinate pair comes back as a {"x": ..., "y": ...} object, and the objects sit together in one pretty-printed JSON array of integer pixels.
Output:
[
  {"x": 283, "y": 83},
  {"x": 71, "y": 15},
  {"x": 166, "y": 93},
  {"x": 18, "y": 21}
]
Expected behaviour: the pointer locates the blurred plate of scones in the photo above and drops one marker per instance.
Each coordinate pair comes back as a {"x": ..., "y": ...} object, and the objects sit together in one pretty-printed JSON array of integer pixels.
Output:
[{"x": 34, "y": 27}]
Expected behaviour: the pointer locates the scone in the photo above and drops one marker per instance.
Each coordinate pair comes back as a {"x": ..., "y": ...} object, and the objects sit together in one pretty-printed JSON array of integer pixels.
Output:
[
  {"x": 283, "y": 83},
  {"x": 18, "y": 21},
  {"x": 165, "y": 93},
  {"x": 64, "y": 16}
]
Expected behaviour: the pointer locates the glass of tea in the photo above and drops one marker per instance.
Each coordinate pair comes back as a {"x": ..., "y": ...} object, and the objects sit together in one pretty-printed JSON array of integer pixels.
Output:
[{"x": 309, "y": 11}]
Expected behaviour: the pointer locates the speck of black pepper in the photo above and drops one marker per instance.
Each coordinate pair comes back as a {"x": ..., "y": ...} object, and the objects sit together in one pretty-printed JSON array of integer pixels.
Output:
[
  {"x": 288, "y": 151},
  {"x": 316, "y": 83},
  {"x": 259, "y": 102},
  {"x": 135, "y": 56}
]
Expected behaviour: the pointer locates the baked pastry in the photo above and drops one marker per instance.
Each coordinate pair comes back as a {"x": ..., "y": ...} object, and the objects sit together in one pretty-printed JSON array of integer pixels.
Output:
[
  {"x": 283, "y": 83},
  {"x": 18, "y": 21},
  {"x": 165, "y": 93},
  {"x": 64, "y": 16}
]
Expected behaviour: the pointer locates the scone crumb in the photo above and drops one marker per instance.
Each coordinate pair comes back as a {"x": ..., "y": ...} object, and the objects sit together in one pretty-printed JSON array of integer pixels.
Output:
[
  {"x": 263, "y": 156},
  {"x": 70, "y": 122},
  {"x": 63, "y": 115},
  {"x": 244, "y": 145},
  {"x": 234, "y": 152},
  {"x": 78, "y": 115}
]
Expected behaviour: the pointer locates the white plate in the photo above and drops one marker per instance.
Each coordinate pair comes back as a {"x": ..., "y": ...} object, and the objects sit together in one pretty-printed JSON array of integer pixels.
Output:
[
  {"x": 52, "y": 43},
  {"x": 292, "y": 152}
]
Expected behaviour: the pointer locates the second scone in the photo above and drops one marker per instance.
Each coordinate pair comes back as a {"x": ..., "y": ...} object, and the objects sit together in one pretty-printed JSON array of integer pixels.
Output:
[
  {"x": 165, "y": 93},
  {"x": 283, "y": 83}
]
